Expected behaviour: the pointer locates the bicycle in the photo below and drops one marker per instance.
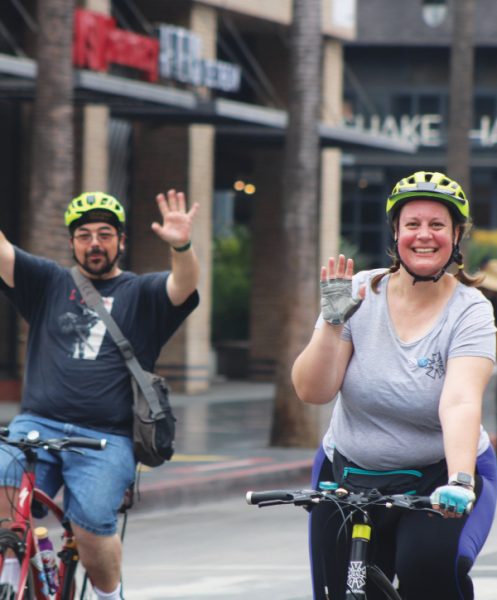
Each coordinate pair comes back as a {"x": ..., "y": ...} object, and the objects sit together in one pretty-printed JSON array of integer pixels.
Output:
[
  {"x": 17, "y": 536},
  {"x": 360, "y": 569}
]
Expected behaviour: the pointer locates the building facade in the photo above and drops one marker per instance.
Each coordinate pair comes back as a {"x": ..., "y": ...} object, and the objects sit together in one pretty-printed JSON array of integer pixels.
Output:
[
  {"x": 397, "y": 83},
  {"x": 185, "y": 94}
]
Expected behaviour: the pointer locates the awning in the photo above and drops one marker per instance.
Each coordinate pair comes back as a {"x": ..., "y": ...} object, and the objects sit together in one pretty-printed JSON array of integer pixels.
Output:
[{"x": 136, "y": 99}]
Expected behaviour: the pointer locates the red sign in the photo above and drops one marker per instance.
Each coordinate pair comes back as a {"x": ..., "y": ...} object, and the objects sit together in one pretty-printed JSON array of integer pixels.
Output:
[{"x": 98, "y": 43}]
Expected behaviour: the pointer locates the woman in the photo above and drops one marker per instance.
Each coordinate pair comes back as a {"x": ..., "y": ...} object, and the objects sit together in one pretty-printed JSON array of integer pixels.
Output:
[{"x": 409, "y": 351}]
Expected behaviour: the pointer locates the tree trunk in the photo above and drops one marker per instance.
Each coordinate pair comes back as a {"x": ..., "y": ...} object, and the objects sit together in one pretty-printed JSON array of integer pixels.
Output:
[
  {"x": 294, "y": 424},
  {"x": 51, "y": 174},
  {"x": 461, "y": 92}
]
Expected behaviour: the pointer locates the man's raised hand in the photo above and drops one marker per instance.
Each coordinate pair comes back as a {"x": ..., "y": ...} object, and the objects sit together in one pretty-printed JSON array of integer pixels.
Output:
[{"x": 176, "y": 227}]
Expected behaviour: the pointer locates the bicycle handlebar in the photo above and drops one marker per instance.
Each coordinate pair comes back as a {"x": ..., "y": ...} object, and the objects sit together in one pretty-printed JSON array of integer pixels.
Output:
[
  {"x": 33, "y": 440},
  {"x": 269, "y": 496},
  {"x": 308, "y": 498},
  {"x": 82, "y": 442}
]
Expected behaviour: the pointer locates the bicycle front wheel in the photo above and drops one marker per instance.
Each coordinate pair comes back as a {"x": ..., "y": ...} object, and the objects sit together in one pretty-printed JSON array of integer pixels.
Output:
[{"x": 382, "y": 583}]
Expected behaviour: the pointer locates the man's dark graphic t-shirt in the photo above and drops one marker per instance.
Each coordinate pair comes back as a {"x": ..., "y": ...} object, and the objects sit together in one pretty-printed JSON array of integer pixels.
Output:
[{"x": 74, "y": 371}]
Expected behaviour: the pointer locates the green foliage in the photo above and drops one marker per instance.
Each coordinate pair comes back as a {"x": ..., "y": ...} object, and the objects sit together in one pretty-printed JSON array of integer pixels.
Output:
[
  {"x": 475, "y": 252},
  {"x": 231, "y": 278}
]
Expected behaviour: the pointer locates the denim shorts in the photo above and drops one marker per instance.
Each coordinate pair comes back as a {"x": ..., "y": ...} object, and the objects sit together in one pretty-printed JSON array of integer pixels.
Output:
[{"x": 94, "y": 480}]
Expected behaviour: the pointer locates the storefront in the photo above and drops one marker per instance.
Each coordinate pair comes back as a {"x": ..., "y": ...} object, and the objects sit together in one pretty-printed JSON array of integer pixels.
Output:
[
  {"x": 397, "y": 83},
  {"x": 190, "y": 95}
]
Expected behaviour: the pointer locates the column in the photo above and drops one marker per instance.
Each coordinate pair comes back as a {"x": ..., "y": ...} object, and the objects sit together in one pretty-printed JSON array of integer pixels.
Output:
[
  {"x": 93, "y": 175},
  {"x": 331, "y": 169},
  {"x": 331, "y": 173},
  {"x": 181, "y": 157}
]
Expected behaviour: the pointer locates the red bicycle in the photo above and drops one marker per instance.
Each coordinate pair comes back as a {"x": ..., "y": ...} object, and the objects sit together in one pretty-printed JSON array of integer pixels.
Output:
[{"x": 17, "y": 535}]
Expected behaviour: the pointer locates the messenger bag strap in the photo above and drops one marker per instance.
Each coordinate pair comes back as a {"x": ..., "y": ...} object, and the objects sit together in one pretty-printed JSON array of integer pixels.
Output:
[{"x": 94, "y": 300}]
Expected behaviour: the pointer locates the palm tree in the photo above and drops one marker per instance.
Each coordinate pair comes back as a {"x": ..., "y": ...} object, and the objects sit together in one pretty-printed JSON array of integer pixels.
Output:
[
  {"x": 461, "y": 92},
  {"x": 51, "y": 169},
  {"x": 293, "y": 423}
]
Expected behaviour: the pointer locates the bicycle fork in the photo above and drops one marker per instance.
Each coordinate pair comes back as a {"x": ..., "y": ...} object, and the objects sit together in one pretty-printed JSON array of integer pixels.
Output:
[{"x": 357, "y": 568}]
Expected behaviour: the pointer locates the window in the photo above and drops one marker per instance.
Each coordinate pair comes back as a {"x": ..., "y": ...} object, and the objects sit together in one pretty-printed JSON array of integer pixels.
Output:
[
  {"x": 484, "y": 106},
  {"x": 429, "y": 105},
  {"x": 402, "y": 105}
]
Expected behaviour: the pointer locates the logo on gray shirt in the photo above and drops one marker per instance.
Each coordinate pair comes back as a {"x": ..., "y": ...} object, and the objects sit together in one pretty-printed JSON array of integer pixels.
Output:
[{"x": 433, "y": 366}]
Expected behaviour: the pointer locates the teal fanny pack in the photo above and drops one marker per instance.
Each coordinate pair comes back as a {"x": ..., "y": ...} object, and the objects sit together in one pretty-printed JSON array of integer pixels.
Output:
[{"x": 396, "y": 481}]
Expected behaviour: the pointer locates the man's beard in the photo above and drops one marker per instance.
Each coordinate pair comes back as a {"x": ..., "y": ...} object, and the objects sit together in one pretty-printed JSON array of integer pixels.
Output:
[{"x": 105, "y": 266}]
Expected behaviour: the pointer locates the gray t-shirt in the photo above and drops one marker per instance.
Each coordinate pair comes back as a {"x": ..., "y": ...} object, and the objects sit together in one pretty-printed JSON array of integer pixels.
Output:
[{"x": 386, "y": 414}]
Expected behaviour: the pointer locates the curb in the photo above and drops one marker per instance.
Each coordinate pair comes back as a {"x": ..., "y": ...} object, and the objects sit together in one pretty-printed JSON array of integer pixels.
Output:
[{"x": 208, "y": 488}]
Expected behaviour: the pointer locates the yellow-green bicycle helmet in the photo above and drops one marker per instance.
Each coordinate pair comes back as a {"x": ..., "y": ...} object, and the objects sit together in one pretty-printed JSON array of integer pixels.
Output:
[
  {"x": 94, "y": 206},
  {"x": 428, "y": 184}
]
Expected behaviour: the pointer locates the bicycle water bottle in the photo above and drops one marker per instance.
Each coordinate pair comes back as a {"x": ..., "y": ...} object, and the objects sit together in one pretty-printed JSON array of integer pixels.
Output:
[
  {"x": 37, "y": 563},
  {"x": 48, "y": 558}
]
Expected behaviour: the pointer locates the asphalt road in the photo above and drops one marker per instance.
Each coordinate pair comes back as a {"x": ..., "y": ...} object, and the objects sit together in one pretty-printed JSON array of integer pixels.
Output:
[{"x": 226, "y": 550}]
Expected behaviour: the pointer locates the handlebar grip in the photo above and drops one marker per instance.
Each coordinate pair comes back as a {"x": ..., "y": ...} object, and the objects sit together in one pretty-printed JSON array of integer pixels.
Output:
[
  {"x": 269, "y": 496},
  {"x": 83, "y": 442}
]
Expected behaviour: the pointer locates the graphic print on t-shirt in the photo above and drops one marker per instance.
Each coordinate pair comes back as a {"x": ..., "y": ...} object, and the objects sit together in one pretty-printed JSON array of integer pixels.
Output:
[
  {"x": 86, "y": 330},
  {"x": 433, "y": 366}
]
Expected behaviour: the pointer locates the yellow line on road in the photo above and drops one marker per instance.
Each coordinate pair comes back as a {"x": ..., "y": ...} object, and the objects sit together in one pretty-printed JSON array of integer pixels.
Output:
[
  {"x": 186, "y": 458},
  {"x": 198, "y": 457}
]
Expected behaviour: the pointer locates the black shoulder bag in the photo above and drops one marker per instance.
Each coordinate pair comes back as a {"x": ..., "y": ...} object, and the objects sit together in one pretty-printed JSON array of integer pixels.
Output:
[{"x": 153, "y": 420}]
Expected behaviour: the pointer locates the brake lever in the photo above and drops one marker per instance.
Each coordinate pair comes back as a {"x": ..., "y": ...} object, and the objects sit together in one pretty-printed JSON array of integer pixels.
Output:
[{"x": 403, "y": 502}]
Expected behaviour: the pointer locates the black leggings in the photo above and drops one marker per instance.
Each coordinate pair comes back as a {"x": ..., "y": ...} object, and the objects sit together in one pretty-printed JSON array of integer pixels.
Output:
[{"x": 431, "y": 556}]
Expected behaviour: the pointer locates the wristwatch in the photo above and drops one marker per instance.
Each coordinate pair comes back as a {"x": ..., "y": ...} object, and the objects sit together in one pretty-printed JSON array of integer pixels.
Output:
[{"x": 464, "y": 479}]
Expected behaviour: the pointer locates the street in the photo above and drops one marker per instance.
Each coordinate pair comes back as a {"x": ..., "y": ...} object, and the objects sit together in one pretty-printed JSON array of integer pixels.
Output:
[
  {"x": 200, "y": 549},
  {"x": 233, "y": 551},
  {"x": 225, "y": 550}
]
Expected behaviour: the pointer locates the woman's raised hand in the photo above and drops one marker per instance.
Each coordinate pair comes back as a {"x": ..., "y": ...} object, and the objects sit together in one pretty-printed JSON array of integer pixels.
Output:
[
  {"x": 341, "y": 269},
  {"x": 337, "y": 304}
]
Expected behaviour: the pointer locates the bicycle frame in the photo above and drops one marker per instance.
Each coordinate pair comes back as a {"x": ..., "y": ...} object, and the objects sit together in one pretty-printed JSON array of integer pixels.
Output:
[
  {"x": 17, "y": 535},
  {"x": 360, "y": 569},
  {"x": 29, "y": 557},
  {"x": 23, "y": 526},
  {"x": 357, "y": 567}
]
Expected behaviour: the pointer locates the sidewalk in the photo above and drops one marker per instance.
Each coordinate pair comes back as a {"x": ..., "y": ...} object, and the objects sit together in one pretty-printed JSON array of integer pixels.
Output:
[{"x": 222, "y": 448}]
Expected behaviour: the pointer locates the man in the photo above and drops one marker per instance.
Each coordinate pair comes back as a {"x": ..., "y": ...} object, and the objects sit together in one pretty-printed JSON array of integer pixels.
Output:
[{"x": 76, "y": 381}]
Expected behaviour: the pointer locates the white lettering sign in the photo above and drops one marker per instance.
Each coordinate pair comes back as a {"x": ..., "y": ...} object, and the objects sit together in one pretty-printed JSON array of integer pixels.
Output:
[
  {"x": 422, "y": 130},
  {"x": 180, "y": 59}
]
